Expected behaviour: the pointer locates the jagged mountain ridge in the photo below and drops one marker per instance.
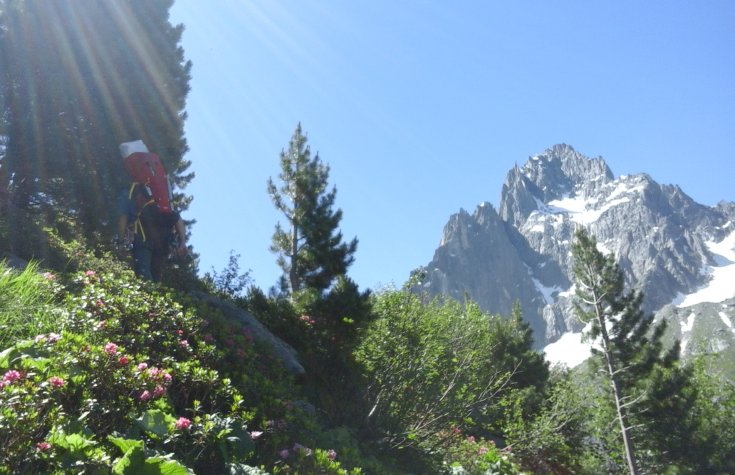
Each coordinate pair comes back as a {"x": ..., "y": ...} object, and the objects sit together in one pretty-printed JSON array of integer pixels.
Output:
[{"x": 521, "y": 251}]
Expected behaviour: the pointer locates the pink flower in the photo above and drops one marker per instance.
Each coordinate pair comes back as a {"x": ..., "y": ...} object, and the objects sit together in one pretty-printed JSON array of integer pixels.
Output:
[
  {"x": 208, "y": 338},
  {"x": 331, "y": 454},
  {"x": 307, "y": 319},
  {"x": 167, "y": 377},
  {"x": 90, "y": 273},
  {"x": 482, "y": 450},
  {"x": 111, "y": 348},
  {"x": 159, "y": 391},
  {"x": 255, "y": 434},
  {"x": 123, "y": 360},
  {"x": 56, "y": 381},
  {"x": 11, "y": 376},
  {"x": 179, "y": 332},
  {"x": 142, "y": 366},
  {"x": 145, "y": 396},
  {"x": 48, "y": 276},
  {"x": 184, "y": 344},
  {"x": 284, "y": 454},
  {"x": 101, "y": 324},
  {"x": 43, "y": 446},
  {"x": 153, "y": 372},
  {"x": 53, "y": 337},
  {"x": 182, "y": 423}
]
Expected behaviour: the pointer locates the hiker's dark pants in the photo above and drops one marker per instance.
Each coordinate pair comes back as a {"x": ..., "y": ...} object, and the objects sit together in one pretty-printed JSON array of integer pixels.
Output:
[{"x": 148, "y": 263}]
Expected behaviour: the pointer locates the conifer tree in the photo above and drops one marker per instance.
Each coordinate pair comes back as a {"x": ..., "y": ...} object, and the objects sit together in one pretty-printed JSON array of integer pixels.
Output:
[
  {"x": 651, "y": 393},
  {"x": 310, "y": 251},
  {"x": 77, "y": 78}
]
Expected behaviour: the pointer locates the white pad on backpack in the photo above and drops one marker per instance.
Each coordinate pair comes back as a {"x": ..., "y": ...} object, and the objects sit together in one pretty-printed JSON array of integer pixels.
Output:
[{"x": 129, "y": 148}]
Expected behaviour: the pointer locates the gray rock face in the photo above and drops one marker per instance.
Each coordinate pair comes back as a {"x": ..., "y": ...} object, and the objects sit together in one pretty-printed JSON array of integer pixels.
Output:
[
  {"x": 659, "y": 235},
  {"x": 282, "y": 350}
]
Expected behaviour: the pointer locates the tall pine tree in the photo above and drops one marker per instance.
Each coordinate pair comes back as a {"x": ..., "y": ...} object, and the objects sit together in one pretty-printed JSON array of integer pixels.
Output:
[
  {"x": 77, "y": 78},
  {"x": 652, "y": 394},
  {"x": 310, "y": 251}
]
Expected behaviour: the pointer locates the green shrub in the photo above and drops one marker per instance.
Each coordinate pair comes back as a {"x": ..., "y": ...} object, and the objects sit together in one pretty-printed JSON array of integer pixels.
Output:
[
  {"x": 129, "y": 380},
  {"x": 433, "y": 367}
]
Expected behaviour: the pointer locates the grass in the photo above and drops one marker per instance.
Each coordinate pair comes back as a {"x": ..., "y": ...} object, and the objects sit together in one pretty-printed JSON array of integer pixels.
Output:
[{"x": 25, "y": 298}]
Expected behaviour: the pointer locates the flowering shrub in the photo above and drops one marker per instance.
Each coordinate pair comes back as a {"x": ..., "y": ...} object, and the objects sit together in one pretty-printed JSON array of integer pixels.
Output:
[
  {"x": 470, "y": 456},
  {"x": 132, "y": 378},
  {"x": 301, "y": 459},
  {"x": 116, "y": 386}
]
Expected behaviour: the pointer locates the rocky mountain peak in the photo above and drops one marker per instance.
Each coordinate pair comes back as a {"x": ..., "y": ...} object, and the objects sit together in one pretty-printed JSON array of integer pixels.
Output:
[
  {"x": 554, "y": 174},
  {"x": 667, "y": 244}
]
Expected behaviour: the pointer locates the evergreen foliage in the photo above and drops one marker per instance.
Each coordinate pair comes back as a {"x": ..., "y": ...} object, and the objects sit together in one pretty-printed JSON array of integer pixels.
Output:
[
  {"x": 76, "y": 80},
  {"x": 651, "y": 392},
  {"x": 310, "y": 251}
]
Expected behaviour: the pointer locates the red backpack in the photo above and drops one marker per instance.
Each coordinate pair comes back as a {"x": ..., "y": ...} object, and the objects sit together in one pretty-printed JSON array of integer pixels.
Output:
[
  {"x": 145, "y": 169},
  {"x": 150, "y": 192}
]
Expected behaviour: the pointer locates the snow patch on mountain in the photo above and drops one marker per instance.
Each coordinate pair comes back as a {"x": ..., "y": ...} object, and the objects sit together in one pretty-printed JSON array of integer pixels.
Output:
[
  {"x": 722, "y": 275},
  {"x": 584, "y": 210},
  {"x": 546, "y": 292},
  {"x": 569, "y": 350},
  {"x": 726, "y": 320}
]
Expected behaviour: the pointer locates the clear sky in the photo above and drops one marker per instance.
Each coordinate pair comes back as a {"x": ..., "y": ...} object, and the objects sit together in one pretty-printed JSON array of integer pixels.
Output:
[{"x": 421, "y": 107}]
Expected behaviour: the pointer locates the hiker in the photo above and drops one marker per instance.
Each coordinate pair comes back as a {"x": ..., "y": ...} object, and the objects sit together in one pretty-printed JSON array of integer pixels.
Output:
[
  {"x": 146, "y": 222},
  {"x": 150, "y": 242}
]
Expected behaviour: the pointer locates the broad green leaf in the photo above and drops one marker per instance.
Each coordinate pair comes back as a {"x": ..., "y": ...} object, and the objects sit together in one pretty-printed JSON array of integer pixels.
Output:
[{"x": 155, "y": 421}]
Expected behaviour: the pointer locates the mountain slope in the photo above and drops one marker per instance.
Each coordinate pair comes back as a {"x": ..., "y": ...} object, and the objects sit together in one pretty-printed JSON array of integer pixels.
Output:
[{"x": 668, "y": 246}]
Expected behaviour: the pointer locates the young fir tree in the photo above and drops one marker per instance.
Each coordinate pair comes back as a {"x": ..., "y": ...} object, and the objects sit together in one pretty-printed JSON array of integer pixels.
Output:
[
  {"x": 76, "y": 80},
  {"x": 651, "y": 393},
  {"x": 310, "y": 251}
]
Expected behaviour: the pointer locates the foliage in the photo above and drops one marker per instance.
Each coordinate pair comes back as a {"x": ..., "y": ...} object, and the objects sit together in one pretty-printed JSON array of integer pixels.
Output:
[
  {"x": 472, "y": 456},
  {"x": 652, "y": 393},
  {"x": 713, "y": 443},
  {"x": 76, "y": 80},
  {"x": 436, "y": 367},
  {"x": 229, "y": 282},
  {"x": 126, "y": 363},
  {"x": 25, "y": 303},
  {"x": 310, "y": 251},
  {"x": 551, "y": 439}
]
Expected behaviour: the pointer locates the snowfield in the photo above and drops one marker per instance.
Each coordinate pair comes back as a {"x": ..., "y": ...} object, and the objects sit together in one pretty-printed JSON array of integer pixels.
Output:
[{"x": 722, "y": 276}]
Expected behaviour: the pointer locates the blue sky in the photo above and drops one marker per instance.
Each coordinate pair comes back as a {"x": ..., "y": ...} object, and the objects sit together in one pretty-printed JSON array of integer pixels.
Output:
[{"x": 421, "y": 107}]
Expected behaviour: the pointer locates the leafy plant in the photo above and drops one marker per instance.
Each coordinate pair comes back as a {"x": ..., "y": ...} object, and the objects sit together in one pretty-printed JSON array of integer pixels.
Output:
[{"x": 434, "y": 367}]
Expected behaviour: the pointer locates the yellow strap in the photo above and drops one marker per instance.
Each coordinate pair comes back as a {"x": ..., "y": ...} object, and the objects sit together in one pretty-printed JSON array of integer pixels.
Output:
[{"x": 138, "y": 225}]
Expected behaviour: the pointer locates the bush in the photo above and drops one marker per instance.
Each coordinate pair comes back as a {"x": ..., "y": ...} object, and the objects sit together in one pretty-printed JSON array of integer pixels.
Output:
[
  {"x": 434, "y": 367},
  {"x": 129, "y": 379}
]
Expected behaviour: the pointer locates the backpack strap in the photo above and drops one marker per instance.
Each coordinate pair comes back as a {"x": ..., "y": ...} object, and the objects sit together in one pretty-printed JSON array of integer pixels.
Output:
[{"x": 137, "y": 225}]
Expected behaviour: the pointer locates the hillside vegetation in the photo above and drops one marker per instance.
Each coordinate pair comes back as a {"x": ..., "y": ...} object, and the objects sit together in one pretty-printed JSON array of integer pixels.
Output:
[{"x": 102, "y": 373}]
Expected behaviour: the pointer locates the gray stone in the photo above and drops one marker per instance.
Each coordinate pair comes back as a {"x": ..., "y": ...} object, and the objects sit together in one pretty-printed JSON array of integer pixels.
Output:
[{"x": 282, "y": 350}]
